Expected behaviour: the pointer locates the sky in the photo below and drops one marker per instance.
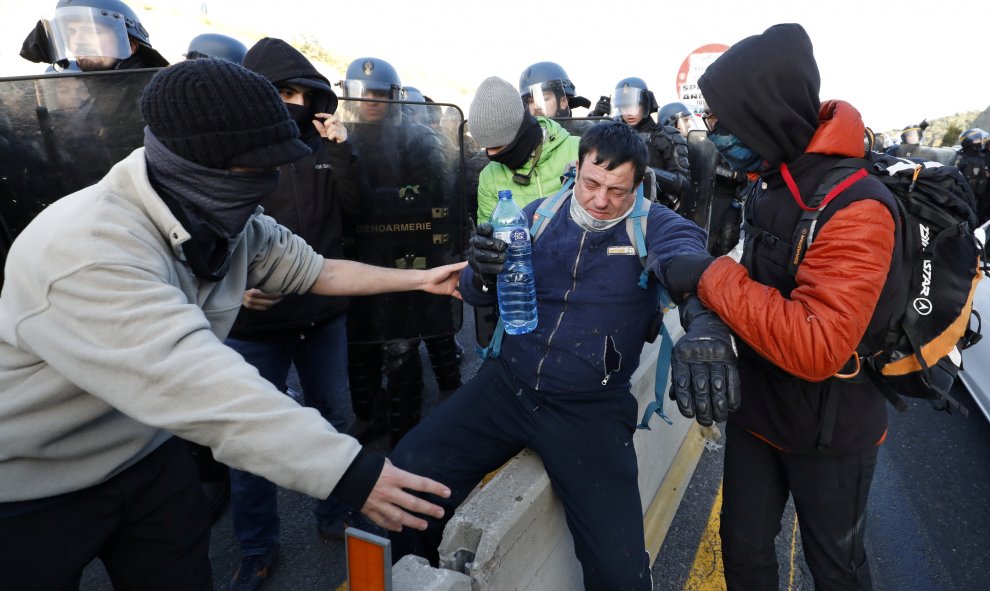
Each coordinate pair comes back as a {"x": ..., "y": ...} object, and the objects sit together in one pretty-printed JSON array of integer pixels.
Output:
[{"x": 897, "y": 62}]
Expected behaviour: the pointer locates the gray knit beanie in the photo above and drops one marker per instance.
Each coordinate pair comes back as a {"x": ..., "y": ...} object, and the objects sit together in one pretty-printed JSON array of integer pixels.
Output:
[{"x": 495, "y": 113}]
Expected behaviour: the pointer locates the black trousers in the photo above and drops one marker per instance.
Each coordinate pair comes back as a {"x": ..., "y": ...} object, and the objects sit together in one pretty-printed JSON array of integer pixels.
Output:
[
  {"x": 829, "y": 494},
  {"x": 150, "y": 526},
  {"x": 585, "y": 442}
]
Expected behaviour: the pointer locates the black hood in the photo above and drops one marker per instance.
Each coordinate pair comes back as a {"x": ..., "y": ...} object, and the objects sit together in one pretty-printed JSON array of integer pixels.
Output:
[
  {"x": 279, "y": 62},
  {"x": 764, "y": 89}
]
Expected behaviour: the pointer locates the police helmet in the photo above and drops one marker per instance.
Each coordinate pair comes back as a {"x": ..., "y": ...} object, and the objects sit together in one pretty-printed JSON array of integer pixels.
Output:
[
  {"x": 973, "y": 139},
  {"x": 216, "y": 45},
  {"x": 411, "y": 93},
  {"x": 628, "y": 87},
  {"x": 671, "y": 112},
  {"x": 369, "y": 73},
  {"x": 114, "y": 8},
  {"x": 550, "y": 76}
]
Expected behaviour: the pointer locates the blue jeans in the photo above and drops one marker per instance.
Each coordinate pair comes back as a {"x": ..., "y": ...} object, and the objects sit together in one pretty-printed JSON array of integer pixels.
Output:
[{"x": 320, "y": 357}]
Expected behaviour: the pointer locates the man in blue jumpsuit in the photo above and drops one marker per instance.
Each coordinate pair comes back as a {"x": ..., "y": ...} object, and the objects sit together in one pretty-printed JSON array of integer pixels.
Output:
[{"x": 563, "y": 390}]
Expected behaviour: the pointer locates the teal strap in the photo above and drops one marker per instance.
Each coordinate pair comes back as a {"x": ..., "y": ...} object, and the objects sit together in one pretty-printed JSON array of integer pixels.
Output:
[
  {"x": 663, "y": 372},
  {"x": 495, "y": 346},
  {"x": 637, "y": 219},
  {"x": 549, "y": 207}
]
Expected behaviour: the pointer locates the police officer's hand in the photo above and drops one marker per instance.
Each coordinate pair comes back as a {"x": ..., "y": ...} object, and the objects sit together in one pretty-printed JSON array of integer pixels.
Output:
[
  {"x": 486, "y": 254},
  {"x": 330, "y": 127},
  {"x": 704, "y": 378},
  {"x": 603, "y": 108}
]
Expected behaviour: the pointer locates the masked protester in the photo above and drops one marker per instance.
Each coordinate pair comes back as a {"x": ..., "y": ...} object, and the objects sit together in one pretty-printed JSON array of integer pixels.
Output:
[
  {"x": 115, "y": 305},
  {"x": 316, "y": 196},
  {"x": 810, "y": 422},
  {"x": 528, "y": 153}
]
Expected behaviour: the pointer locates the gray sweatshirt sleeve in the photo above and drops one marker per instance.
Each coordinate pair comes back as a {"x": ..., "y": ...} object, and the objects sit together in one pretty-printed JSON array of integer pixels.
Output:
[{"x": 121, "y": 336}]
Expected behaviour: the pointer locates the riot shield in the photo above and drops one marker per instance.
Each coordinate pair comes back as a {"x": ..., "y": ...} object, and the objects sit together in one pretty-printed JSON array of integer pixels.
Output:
[
  {"x": 414, "y": 218},
  {"x": 578, "y": 125},
  {"x": 946, "y": 156},
  {"x": 60, "y": 133},
  {"x": 703, "y": 160}
]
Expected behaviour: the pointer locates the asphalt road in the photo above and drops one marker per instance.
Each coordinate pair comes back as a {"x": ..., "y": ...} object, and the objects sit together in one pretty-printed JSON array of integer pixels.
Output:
[{"x": 928, "y": 516}]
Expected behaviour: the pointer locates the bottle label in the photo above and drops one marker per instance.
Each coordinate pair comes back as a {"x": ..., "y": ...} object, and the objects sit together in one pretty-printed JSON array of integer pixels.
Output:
[{"x": 512, "y": 236}]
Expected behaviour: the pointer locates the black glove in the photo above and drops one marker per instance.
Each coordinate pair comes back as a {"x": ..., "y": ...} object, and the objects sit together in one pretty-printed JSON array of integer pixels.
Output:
[
  {"x": 703, "y": 378},
  {"x": 603, "y": 108},
  {"x": 486, "y": 254}
]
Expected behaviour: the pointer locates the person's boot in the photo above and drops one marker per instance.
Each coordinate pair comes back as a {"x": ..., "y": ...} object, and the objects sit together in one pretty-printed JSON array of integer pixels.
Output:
[
  {"x": 445, "y": 357},
  {"x": 404, "y": 390},
  {"x": 364, "y": 373}
]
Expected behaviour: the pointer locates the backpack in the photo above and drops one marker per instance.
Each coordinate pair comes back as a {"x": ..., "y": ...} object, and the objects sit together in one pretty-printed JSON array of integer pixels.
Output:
[
  {"x": 636, "y": 230},
  {"x": 942, "y": 261}
]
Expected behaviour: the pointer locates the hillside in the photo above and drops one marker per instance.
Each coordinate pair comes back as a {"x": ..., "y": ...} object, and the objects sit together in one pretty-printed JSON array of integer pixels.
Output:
[{"x": 955, "y": 124}]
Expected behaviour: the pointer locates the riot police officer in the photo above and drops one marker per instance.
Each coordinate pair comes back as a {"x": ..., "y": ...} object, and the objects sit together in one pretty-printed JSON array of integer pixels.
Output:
[
  {"x": 407, "y": 166},
  {"x": 634, "y": 104},
  {"x": 547, "y": 90},
  {"x": 676, "y": 115},
  {"x": 98, "y": 34},
  {"x": 972, "y": 162},
  {"x": 216, "y": 45}
]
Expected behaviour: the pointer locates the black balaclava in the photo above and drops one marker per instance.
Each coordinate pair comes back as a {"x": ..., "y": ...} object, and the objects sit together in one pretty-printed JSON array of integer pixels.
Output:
[
  {"x": 764, "y": 90},
  {"x": 515, "y": 155},
  {"x": 281, "y": 63}
]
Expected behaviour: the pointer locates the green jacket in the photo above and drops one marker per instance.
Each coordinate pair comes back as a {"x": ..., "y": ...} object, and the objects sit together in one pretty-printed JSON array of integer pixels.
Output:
[{"x": 559, "y": 149}]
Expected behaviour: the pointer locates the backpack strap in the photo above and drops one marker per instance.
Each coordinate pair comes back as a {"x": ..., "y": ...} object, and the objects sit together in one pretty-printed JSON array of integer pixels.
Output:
[
  {"x": 804, "y": 232},
  {"x": 636, "y": 229}
]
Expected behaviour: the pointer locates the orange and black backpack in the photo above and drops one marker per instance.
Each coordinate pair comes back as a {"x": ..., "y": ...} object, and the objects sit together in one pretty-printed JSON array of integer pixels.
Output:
[{"x": 920, "y": 352}]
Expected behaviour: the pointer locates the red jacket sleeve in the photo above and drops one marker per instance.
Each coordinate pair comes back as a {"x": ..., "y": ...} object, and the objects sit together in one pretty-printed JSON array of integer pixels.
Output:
[{"x": 814, "y": 333}]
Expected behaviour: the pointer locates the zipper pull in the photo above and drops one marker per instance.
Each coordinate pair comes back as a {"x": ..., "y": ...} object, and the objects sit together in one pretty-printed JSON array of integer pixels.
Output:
[{"x": 605, "y": 381}]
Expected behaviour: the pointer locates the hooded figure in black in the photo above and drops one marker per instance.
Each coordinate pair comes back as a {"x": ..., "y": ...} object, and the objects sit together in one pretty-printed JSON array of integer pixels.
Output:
[
  {"x": 810, "y": 422},
  {"x": 315, "y": 195}
]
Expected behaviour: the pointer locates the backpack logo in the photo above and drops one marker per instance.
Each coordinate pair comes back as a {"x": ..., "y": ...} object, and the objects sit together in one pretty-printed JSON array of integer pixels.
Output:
[
  {"x": 924, "y": 235},
  {"x": 926, "y": 277},
  {"x": 922, "y": 306}
]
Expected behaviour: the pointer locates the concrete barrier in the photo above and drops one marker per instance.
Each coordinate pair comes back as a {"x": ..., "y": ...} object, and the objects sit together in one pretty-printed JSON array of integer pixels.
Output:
[{"x": 511, "y": 533}]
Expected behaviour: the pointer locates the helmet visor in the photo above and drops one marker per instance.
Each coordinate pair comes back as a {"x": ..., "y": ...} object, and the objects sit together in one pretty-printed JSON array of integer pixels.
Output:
[
  {"x": 369, "y": 89},
  {"x": 539, "y": 100},
  {"x": 85, "y": 32},
  {"x": 627, "y": 101}
]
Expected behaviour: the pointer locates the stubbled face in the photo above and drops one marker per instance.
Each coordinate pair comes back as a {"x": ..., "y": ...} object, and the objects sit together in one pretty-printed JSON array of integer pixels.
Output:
[
  {"x": 605, "y": 194},
  {"x": 553, "y": 107},
  {"x": 373, "y": 112}
]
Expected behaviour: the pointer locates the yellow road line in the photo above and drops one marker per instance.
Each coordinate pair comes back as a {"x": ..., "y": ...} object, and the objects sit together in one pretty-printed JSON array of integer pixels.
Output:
[
  {"x": 660, "y": 514},
  {"x": 706, "y": 571},
  {"x": 794, "y": 529}
]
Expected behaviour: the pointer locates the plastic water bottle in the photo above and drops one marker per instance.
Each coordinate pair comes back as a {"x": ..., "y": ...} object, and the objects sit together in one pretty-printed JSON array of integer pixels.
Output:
[{"x": 516, "y": 286}]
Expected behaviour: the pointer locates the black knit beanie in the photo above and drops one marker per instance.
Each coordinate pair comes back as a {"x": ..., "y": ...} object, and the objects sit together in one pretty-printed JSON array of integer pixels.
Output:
[{"x": 219, "y": 115}]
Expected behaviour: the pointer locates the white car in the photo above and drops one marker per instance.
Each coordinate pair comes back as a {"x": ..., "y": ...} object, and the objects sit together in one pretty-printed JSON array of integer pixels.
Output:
[{"x": 975, "y": 375}]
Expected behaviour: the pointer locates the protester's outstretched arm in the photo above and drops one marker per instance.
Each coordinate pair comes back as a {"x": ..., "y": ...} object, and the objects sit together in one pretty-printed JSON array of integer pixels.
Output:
[
  {"x": 392, "y": 507},
  {"x": 349, "y": 278}
]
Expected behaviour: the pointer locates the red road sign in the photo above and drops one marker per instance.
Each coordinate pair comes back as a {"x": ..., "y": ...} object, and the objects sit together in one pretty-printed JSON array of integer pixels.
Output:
[{"x": 691, "y": 69}]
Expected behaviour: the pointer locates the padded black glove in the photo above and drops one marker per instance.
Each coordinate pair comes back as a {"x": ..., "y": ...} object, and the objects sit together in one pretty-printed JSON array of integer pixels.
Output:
[
  {"x": 486, "y": 254},
  {"x": 704, "y": 380},
  {"x": 603, "y": 108}
]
